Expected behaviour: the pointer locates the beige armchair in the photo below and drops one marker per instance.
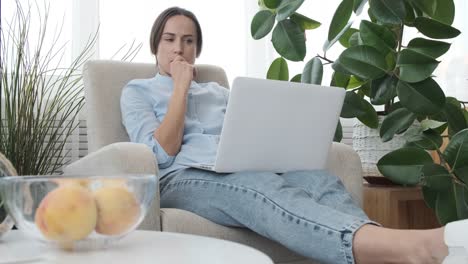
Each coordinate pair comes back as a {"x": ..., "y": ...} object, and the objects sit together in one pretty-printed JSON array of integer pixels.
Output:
[{"x": 110, "y": 152}]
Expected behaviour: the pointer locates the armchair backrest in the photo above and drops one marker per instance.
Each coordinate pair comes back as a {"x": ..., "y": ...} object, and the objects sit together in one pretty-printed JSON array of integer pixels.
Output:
[{"x": 103, "y": 84}]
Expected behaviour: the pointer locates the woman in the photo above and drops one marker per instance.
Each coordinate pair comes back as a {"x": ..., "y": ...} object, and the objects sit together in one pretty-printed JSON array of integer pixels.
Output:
[{"x": 309, "y": 212}]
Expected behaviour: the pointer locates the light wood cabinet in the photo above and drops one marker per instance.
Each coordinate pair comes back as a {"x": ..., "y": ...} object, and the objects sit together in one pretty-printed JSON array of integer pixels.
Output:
[{"x": 398, "y": 207}]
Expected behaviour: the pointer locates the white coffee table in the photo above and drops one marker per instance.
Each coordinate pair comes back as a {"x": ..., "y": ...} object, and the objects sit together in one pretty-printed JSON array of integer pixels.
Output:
[{"x": 139, "y": 247}]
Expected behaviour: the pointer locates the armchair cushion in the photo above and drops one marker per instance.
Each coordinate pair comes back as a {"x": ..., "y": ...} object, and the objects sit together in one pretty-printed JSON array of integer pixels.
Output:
[
  {"x": 181, "y": 221},
  {"x": 345, "y": 163}
]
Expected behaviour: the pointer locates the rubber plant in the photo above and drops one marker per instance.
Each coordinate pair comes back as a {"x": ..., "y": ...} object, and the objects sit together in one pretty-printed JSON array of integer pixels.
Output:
[{"x": 379, "y": 68}]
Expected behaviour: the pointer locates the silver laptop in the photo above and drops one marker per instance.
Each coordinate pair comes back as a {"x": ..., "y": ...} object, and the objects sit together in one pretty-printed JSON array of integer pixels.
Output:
[{"x": 277, "y": 126}]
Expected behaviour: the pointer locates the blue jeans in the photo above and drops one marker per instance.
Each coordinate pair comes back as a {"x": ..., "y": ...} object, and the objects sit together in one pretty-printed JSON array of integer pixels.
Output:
[{"x": 309, "y": 212}]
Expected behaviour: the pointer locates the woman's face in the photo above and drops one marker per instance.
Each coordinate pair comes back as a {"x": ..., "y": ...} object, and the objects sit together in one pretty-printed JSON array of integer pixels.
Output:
[{"x": 179, "y": 37}]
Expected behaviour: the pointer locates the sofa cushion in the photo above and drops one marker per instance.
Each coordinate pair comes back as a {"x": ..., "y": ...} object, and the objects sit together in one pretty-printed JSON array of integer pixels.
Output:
[{"x": 181, "y": 221}]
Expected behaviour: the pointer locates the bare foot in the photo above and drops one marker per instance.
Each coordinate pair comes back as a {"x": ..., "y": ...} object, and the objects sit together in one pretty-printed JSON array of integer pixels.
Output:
[{"x": 373, "y": 244}]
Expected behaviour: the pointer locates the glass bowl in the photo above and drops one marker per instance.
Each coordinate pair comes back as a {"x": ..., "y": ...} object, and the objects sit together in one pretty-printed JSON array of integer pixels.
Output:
[
  {"x": 78, "y": 212},
  {"x": 6, "y": 169}
]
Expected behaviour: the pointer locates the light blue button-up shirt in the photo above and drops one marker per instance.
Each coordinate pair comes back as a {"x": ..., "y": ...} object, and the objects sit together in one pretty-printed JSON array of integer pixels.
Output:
[{"x": 144, "y": 105}]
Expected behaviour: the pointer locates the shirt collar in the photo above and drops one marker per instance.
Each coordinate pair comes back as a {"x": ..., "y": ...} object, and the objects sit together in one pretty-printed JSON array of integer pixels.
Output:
[
  {"x": 163, "y": 79},
  {"x": 167, "y": 80}
]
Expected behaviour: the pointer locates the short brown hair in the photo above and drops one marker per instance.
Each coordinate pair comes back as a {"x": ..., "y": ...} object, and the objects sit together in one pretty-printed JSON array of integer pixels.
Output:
[{"x": 160, "y": 22}]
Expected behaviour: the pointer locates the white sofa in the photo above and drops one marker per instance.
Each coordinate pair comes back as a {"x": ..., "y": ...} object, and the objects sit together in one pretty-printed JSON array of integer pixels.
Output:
[{"x": 110, "y": 152}]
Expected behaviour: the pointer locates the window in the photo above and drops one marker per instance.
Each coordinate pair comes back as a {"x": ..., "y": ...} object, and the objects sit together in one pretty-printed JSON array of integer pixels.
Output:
[
  {"x": 223, "y": 25},
  {"x": 59, "y": 26}
]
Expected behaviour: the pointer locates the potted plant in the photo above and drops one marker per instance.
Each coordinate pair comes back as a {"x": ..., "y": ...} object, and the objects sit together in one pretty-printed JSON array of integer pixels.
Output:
[
  {"x": 39, "y": 99},
  {"x": 378, "y": 68}
]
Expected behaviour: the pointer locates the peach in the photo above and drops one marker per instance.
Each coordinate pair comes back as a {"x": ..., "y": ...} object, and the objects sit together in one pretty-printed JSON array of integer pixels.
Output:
[
  {"x": 67, "y": 213},
  {"x": 118, "y": 210}
]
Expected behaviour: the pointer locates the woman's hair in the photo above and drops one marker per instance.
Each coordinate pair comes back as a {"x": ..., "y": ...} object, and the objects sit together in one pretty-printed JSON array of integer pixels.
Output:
[{"x": 158, "y": 27}]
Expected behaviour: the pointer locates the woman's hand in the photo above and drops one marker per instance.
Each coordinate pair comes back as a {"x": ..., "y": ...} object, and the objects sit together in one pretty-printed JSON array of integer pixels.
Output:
[
  {"x": 171, "y": 131},
  {"x": 182, "y": 73}
]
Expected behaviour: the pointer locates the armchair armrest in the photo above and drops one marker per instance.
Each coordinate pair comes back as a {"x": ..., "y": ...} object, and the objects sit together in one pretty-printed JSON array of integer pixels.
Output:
[
  {"x": 117, "y": 158},
  {"x": 344, "y": 162},
  {"x": 122, "y": 158}
]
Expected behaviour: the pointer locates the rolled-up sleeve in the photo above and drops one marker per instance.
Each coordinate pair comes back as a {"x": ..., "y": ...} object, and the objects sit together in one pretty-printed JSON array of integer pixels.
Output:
[{"x": 140, "y": 121}]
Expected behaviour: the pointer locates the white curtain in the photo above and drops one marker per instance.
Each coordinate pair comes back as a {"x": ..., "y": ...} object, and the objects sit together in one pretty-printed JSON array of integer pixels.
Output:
[
  {"x": 84, "y": 25},
  {"x": 58, "y": 33},
  {"x": 452, "y": 73},
  {"x": 224, "y": 25}
]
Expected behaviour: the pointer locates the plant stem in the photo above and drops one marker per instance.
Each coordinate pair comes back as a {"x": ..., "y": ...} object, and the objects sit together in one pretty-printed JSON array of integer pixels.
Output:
[
  {"x": 387, "y": 108},
  {"x": 400, "y": 37},
  {"x": 397, "y": 70},
  {"x": 442, "y": 160},
  {"x": 355, "y": 89},
  {"x": 444, "y": 163},
  {"x": 325, "y": 58}
]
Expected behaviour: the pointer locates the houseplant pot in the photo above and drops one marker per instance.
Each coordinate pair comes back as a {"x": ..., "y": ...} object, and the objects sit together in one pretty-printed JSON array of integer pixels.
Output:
[{"x": 370, "y": 148}]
